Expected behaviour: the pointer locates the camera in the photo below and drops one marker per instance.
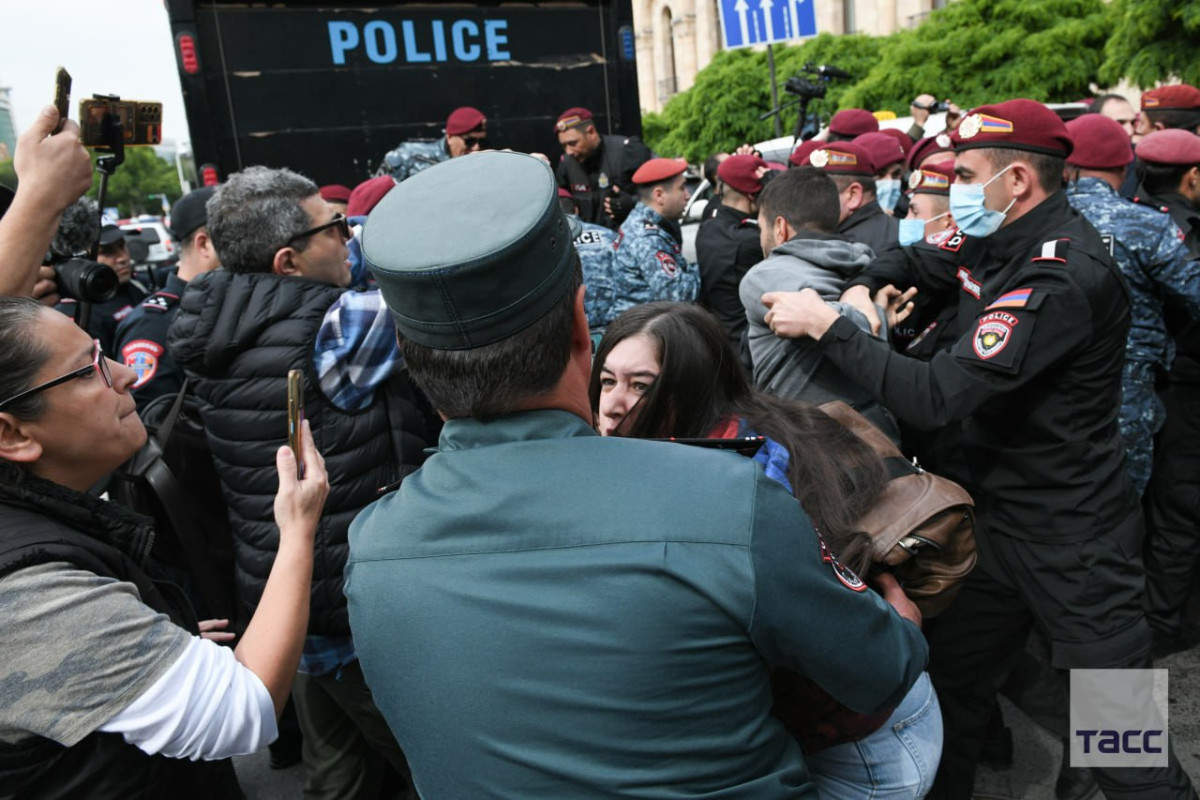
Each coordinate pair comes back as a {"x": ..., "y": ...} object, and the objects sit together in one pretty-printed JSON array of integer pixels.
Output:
[
  {"x": 935, "y": 107},
  {"x": 810, "y": 89},
  {"x": 84, "y": 280}
]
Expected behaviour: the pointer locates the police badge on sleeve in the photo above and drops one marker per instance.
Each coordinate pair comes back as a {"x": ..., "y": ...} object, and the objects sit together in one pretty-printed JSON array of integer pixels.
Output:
[{"x": 993, "y": 333}]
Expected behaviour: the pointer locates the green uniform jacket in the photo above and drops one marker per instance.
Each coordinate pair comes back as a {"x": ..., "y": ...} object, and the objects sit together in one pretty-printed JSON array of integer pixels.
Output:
[{"x": 543, "y": 613}]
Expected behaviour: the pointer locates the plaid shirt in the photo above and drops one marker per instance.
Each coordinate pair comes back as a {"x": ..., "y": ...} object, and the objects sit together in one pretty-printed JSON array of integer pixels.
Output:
[{"x": 356, "y": 349}]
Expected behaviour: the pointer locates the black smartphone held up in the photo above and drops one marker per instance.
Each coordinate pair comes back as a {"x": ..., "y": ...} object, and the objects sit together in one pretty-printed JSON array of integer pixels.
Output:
[
  {"x": 295, "y": 382},
  {"x": 62, "y": 96},
  {"x": 746, "y": 445}
]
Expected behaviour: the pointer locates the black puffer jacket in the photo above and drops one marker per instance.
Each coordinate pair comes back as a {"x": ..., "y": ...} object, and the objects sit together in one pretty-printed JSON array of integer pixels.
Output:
[
  {"x": 236, "y": 337},
  {"x": 43, "y": 522}
]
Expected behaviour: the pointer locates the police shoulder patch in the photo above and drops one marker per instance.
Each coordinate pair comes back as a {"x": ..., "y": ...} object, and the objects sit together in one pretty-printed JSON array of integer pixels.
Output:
[
  {"x": 940, "y": 236},
  {"x": 160, "y": 301},
  {"x": 993, "y": 333},
  {"x": 668, "y": 263},
  {"x": 954, "y": 242},
  {"x": 649, "y": 226},
  {"x": 143, "y": 356},
  {"x": 846, "y": 576}
]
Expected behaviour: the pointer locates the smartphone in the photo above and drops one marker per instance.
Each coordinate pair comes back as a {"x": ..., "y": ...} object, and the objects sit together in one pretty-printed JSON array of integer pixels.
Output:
[
  {"x": 295, "y": 415},
  {"x": 746, "y": 445},
  {"x": 62, "y": 96}
]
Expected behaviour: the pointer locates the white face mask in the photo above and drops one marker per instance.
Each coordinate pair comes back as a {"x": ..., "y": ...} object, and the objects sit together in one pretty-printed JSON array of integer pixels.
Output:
[
  {"x": 970, "y": 214},
  {"x": 913, "y": 230},
  {"x": 887, "y": 192}
]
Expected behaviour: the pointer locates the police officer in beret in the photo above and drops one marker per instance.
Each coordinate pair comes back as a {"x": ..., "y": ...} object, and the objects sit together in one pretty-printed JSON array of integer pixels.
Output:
[
  {"x": 598, "y": 169},
  {"x": 650, "y": 264},
  {"x": 727, "y": 244},
  {"x": 141, "y": 338},
  {"x": 465, "y": 132},
  {"x": 566, "y": 615},
  {"x": 1169, "y": 173},
  {"x": 1147, "y": 245},
  {"x": 862, "y": 219},
  {"x": 1035, "y": 380}
]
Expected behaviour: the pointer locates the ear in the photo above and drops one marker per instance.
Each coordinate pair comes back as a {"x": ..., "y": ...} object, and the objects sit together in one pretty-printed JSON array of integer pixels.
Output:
[
  {"x": 581, "y": 334},
  {"x": 781, "y": 229},
  {"x": 1023, "y": 180},
  {"x": 285, "y": 262},
  {"x": 17, "y": 444}
]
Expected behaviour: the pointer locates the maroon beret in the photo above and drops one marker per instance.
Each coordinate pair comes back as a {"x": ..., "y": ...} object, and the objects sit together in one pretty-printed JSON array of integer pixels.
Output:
[
  {"x": 842, "y": 158},
  {"x": 464, "y": 120},
  {"x": 572, "y": 118},
  {"x": 930, "y": 145},
  {"x": 799, "y": 156},
  {"x": 335, "y": 193},
  {"x": 741, "y": 173},
  {"x": 368, "y": 194},
  {"x": 932, "y": 178},
  {"x": 565, "y": 194},
  {"x": 1177, "y": 97},
  {"x": 1018, "y": 124},
  {"x": 853, "y": 122},
  {"x": 659, "y": 169},
  {"x": 1173, "y": 146},
  {"x": 1100, "y": 143},
  {"x": 903, "y": 139},
  {"x": 882, "y": 149}
]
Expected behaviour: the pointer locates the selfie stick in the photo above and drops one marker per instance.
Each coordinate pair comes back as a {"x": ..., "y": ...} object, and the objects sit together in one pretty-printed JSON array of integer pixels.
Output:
[{"x": 114, "y": 145}]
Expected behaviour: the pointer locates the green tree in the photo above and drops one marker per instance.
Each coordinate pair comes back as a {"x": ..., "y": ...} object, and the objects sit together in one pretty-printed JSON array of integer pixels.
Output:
[
  {"x": 973, "y": 51},
  {"x": 1153, "y": 41},
  {"x": 8, "y": 175},
  {"x": 985, "y": 51},
  {"x": 142, "y": 174}
]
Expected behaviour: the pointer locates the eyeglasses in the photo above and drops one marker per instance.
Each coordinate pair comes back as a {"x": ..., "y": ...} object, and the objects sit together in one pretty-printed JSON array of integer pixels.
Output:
[
  {"x": 474, "y": 141},
  {"x": 99, "y": 364},
  {"x": 338, "y": 221}
]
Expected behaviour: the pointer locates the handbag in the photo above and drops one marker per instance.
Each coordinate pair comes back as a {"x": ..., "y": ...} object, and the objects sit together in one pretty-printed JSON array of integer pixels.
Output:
[{"x": 922, "y": 526}]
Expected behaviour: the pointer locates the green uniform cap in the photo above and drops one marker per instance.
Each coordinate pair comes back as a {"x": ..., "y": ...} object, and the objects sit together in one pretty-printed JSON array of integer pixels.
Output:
[{"x": 472, "y": 250}]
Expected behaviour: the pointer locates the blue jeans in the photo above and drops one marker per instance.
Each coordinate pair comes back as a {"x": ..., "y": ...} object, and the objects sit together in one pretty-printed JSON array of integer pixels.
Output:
[{"x": 898, "y": 760}]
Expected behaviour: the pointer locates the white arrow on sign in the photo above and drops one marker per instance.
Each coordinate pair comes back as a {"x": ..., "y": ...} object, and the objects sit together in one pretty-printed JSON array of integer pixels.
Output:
[
  {"x": 794, "y": 14},
  {"x": 741, "y": 7},
  {"x": 768, "y": 23}
]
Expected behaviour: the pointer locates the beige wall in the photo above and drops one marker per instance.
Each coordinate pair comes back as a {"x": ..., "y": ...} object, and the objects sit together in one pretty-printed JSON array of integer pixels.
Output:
[{"x": 677, "y": 38}]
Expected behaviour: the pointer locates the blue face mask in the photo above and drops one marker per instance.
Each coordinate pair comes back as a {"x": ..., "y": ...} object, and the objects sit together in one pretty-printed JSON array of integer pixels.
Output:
[
  {"x": 887, "y": 192},
  {"x": 913, "y": 230},
  {"x": 970, "y": 214}
]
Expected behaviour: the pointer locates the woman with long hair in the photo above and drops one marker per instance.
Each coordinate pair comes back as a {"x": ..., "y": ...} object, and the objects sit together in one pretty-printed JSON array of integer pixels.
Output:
[
  {"x": 666, "y": 370},
  {"x": 111, "y": 690}
]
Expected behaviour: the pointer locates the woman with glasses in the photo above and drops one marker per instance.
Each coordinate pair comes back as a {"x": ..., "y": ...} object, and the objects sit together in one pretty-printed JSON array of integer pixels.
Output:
[
  {"x": 109, "y": 690},
  {"x": 667, "y": 370}
]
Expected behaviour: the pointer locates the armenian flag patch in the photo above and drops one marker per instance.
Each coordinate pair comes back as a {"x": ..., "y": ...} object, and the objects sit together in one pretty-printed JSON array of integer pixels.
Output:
[{"x": 1017, "y": 298}]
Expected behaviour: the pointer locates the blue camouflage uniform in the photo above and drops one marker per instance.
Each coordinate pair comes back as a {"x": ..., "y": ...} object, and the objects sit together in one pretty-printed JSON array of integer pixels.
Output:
[
  {"x": 1148, "y": 247},
  {"x": 597, "y": 246},
  {"x": 413, "y": 156},
  {"x": 649, "y": 262}
]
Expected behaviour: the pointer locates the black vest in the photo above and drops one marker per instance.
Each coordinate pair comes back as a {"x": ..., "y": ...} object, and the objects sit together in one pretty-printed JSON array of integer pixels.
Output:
[
  {"x": 236, "y": 336},
  {"x": 42, "y": 522}
]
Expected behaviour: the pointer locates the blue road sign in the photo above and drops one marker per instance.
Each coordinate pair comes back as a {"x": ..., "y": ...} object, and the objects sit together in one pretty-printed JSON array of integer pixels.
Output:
[{"x": 749, "y": 22}]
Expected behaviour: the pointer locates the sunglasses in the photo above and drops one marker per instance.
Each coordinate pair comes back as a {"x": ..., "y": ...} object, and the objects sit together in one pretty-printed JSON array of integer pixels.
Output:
[
  {"x": 338, "y": 221},
  {"x": 99, "y": 364},
  {"x": 474, "y": 141}
]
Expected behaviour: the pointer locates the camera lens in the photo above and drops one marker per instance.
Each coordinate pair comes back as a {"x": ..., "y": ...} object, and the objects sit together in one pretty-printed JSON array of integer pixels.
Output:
[{"x": 85, "y": 280}]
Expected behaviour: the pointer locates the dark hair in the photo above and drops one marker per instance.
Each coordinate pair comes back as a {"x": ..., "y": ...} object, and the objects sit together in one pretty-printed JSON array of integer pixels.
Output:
[
  {"x": 867, "y": 182},
  {"x": 806, "y": 198},
  {"x": 646, "y": 190},
  {"x": 486, "y": 382},
  {"x": 835, "y": 475},
  {"x": 1159, "y": 179},
  {"x": 709, "y": 170},
  {"x": 255, "y": 213},
  {"x": 1103, "y": 100},
  {"x": 1187, "y": 119},
  {"x": 1049, "y": 169},
  {"x": 22, "y": 355}
]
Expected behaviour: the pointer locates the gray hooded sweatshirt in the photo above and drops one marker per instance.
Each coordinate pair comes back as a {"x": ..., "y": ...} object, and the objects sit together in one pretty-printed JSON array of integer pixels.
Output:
[{"x": 794, "y": 368}]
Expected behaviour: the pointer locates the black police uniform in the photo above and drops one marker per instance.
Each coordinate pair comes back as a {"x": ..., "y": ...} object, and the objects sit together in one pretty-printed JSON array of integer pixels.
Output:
[
  {"x": 612, "y": 163},
  {"x": 107, "y": 316},
  {"x": 727, "y": 245},
  {"x": 872, "y": 226},
  {"x": 1173, "y": 496},
  {"x": 141, "y": 343},
  {"x": 1035, "y": 380}
]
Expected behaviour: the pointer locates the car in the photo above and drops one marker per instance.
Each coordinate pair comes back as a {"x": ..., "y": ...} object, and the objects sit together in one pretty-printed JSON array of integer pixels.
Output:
[{"x": 160, "y": 245}]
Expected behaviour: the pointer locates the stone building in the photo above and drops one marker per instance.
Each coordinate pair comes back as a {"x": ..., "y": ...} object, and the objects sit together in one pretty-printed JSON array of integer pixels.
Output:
[{"x": 677, "y": 38}]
